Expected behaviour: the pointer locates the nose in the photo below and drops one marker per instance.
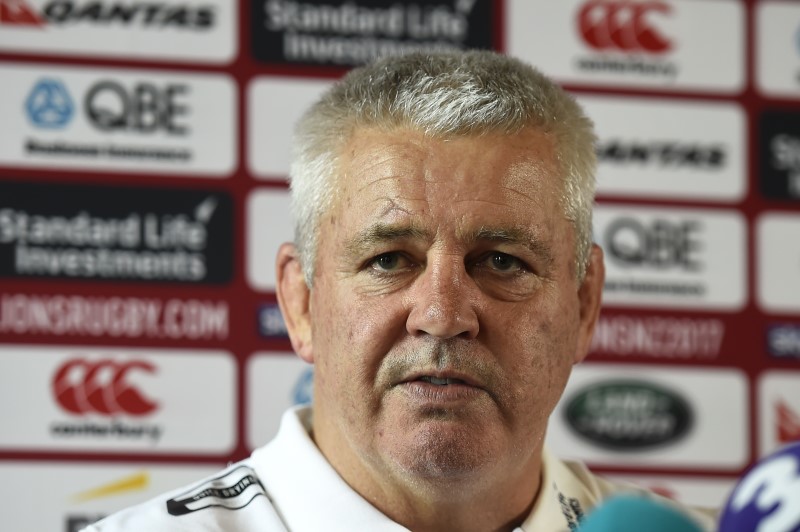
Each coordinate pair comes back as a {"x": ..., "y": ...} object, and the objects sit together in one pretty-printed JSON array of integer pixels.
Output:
[{"x": 443, "y": 301}]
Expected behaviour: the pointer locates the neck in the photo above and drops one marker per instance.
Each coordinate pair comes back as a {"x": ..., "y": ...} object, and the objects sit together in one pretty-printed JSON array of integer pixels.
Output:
[{"x": 498, "y": 497}]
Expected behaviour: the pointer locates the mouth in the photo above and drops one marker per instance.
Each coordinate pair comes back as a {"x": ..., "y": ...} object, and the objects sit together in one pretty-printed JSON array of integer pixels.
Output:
[
  {"x": 440, "y": 381},
  {"x": 447, "y": 377},
  {"x": 441, "y": 388}
]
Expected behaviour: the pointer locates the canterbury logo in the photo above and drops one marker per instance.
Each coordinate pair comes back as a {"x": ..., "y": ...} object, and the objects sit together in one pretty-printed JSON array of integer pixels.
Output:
[
  {"x": 623, "y": 25},
  {"x": 99, "y": 386}
]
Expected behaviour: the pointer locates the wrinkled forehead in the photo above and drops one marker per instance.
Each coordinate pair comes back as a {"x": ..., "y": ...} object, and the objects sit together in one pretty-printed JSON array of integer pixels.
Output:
[{"x": 382, "y": 162}]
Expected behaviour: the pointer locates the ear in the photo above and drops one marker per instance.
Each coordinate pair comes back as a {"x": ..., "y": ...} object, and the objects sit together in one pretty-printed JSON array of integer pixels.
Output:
[
  {"x": 294, "y": 300},
  {"x": 589, "y": 297}
]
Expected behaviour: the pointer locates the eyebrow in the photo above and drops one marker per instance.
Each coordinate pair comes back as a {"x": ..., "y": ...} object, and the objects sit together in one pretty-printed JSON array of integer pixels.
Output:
[
  {"x": 513, "y": 235},
  {"x": 381, "y": 233}
]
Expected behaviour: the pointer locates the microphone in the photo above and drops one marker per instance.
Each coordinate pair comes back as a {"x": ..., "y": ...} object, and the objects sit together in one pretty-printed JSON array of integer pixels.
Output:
[
  {"x": 628, "y": 513},
  {"x": 767, "y": 498}
]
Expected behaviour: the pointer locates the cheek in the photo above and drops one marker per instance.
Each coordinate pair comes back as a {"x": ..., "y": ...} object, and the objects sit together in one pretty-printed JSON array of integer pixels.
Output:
[
  {"x": 352, "y": 334},
  {"x": 543, "y": 347}
]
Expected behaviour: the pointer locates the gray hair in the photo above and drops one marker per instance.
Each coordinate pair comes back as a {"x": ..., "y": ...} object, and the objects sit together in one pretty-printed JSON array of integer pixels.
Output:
[{"x": 441, "y": 94}]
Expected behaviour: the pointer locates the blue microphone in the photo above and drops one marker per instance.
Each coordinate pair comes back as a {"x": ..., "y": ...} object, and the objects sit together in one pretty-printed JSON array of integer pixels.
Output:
[
  {"x": 628, "y": 513},
  {"x": 767, "y": 498}
]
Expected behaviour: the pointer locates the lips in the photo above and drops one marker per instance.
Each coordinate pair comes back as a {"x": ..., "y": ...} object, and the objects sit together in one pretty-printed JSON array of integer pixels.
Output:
[
  {"x": 440, "y": 382},
  {"x": 442, "y": 378}
]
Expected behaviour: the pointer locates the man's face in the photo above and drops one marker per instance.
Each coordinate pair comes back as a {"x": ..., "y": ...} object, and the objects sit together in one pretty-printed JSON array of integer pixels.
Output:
[{"x": 445, "y": 315}]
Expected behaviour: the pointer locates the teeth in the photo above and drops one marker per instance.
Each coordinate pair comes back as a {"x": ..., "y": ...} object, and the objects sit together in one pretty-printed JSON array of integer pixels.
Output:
[{"x": 440, "y": 382}]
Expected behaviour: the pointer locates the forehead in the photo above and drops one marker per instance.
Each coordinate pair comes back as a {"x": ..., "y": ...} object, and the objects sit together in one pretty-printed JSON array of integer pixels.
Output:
[{"x": 403, "y": 170}]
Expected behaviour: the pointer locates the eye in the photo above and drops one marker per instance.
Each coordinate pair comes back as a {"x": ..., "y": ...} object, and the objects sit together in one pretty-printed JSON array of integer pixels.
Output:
[
  {"x": 388, "y": 262},
  {"x": 502, "y": 262}
]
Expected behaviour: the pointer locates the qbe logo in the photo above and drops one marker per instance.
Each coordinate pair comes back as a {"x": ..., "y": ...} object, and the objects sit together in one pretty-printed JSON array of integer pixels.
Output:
[
  {"x": 49, "y": 105},
  {"x": 672, "y": 258},
  {"x": 659, "y": 44},
  {"x": 100, "y": 388},
  {"x": 119, "y": 119},
  {"x": 166, "y": 30},
  {"x": 109, "y": 105}
]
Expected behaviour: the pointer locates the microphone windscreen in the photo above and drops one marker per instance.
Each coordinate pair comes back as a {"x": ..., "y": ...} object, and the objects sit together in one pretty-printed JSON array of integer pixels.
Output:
[
  {"x": 627, "y": 513},
  {"x": 767, "y": 497}
]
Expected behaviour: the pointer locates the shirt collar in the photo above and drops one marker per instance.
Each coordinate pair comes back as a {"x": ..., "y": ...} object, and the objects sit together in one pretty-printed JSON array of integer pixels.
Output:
[
  {"x": 310, "y": 495},
  {"x": 306, "y": 491},
  {"x": 563, "y": 499}
]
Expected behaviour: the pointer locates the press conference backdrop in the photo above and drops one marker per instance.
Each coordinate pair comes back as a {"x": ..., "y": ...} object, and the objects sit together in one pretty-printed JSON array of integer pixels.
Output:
[{"x": 143, "y": 162}]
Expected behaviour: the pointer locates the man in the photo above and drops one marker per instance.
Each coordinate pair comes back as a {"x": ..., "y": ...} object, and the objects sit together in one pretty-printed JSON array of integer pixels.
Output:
[{"x": 443, "y": 283}]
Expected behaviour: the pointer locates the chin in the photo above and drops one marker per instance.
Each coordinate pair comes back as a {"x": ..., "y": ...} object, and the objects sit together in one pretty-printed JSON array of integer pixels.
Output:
[{"x": 444, "y": 451}]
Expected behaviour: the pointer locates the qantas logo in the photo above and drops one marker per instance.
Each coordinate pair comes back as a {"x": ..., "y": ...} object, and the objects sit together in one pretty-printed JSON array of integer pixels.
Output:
[
  {"x": 788, "y": 423},
  {"x": 18, "y": 13},
  {"x": 148, "y": 14},
  {"x": 84, "y": 386},
  {"x": 623, "y": 26}
]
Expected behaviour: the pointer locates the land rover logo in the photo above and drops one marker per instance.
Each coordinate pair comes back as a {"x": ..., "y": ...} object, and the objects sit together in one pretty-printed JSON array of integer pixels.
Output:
[{"x": 623, "y": 415}]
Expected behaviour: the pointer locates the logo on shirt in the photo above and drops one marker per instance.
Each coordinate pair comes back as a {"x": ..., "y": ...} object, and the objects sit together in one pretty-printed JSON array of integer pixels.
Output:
[{"x": 234, "y": 490}]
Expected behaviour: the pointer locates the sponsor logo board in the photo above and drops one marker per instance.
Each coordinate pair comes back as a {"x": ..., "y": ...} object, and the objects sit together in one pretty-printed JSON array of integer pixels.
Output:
[
  {"x": 667, "y": 149},
  {"x": 778, "y": 409},
  {"x": 667, "y": 337},
  {"x": 628, "y": 414},
  {"x": 642, "y": 43},
  {"x": 169, "y": 30},
  {"x": 270, "y": 321},
  {"x": 276, "y": 105},
  {"x": 660, "y": 416},
  {"x": 783, "y": 340},
  {"x": 138, "y": 121},
  {"x": 777, "y": 48},
  {"x": 325, "y": 32},
  {"x": 79, "y": 493},
  {"x": 113, "y": 317},
  {"x": 275, "y": 381},
  {"x": 93, "y": 232},
  {"x": 118, "y": 399},
  {"x": 779, "y": 154},
  {"x": 778, "y": 262},
  {"x": 672, "y": 258},
  {"x": 268, "y": 226}
]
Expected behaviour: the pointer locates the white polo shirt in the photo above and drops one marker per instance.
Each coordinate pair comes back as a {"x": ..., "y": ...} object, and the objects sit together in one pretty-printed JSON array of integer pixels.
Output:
[{"x": 287, "y": 485}]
